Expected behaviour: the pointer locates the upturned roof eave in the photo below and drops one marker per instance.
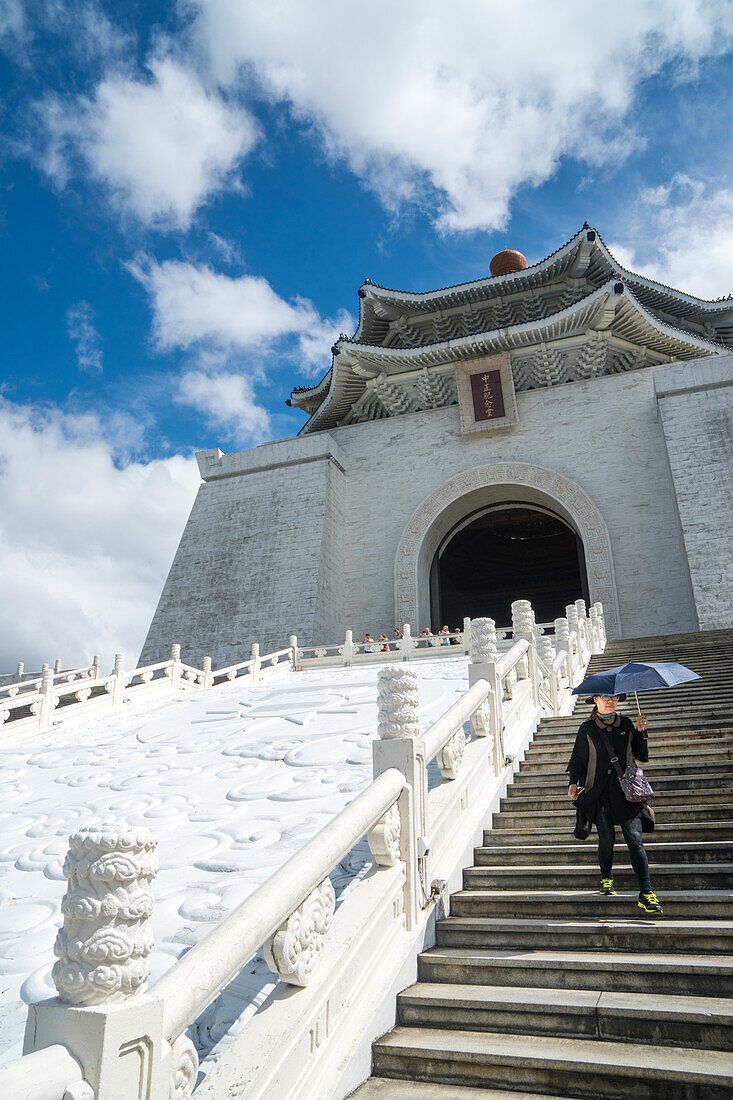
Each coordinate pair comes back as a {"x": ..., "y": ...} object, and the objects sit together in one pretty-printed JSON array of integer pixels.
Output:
[
  {"x": 387, "y": 294},
  {"x": 339, "y": 372}
]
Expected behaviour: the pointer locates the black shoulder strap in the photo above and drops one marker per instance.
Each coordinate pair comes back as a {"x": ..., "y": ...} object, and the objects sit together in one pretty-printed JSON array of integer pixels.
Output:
[{"x": 609, "y": 748}]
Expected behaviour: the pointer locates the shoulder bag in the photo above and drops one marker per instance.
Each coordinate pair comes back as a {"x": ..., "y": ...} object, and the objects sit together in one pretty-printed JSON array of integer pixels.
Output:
[{"x": 634, "y": 783}]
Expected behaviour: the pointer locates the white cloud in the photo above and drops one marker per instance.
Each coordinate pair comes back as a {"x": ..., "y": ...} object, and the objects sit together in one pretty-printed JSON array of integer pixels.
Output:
[
  {"x": 12, "y": 22},
  {"x": 686, "y": 227},
  {"x": 84, "y": 337},
  {"x": 471, "y": 102},
  {"x": 84, "y": 27},
  {"x": 227, "y": 401},
  {"x": 86, "y": 537},
  {"x": 194, "y": 305},
  {"x": 161, "y": 145}
]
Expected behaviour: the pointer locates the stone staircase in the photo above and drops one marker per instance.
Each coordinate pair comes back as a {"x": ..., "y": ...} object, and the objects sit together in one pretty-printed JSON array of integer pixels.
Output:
[{"x": 540, "y": 987}]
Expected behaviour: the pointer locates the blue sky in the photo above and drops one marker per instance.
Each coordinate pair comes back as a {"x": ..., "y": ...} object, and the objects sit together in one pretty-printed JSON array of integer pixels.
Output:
[{"x": 192, "y": 193}]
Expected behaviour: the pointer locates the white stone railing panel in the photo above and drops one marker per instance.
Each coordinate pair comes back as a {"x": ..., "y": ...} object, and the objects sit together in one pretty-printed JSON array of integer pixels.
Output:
[
  {"x": 196, "y": 978},
  {"x": 451, "y": 723}
]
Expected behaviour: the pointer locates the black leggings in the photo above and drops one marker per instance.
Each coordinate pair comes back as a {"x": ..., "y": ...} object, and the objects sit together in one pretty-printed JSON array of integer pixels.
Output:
[{"x": 632, "y": 835}]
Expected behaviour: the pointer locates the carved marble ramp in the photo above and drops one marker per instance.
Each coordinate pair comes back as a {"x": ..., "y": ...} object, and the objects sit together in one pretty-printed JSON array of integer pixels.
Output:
[
  {"x": 538, "y": 986},
  {"x": 231, "y": 781}
]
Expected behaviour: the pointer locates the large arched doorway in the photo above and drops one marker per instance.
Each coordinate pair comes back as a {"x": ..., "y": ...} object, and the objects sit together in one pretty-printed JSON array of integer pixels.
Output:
[
  {"x": 498, "y": 552},
  {"x": 479, "y": 488}
]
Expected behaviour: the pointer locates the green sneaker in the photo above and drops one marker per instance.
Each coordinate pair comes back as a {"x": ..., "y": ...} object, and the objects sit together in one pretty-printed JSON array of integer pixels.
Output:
[
  {"x": 649, "y": 903},
  {"x": 606, "y": 886}
]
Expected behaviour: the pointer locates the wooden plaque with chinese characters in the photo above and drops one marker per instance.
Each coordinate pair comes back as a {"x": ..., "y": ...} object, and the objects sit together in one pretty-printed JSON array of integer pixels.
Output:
[{"x": 486, "y": 393}]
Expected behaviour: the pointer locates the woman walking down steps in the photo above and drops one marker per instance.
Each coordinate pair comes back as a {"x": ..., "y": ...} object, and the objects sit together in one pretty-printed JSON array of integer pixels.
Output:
[{"x": 599, "y": 799}]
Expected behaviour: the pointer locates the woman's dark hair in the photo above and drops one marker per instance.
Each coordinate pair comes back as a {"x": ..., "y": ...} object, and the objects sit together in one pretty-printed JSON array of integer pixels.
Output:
[{"x": 594, "y": 712}]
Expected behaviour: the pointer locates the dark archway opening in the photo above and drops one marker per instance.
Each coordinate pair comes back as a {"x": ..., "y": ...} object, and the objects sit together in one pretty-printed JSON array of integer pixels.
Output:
[{"x": 507, "y": 552}]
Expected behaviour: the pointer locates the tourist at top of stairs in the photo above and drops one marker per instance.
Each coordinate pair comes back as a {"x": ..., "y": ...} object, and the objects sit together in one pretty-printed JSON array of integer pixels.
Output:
[{"x": 599, "y": 798}]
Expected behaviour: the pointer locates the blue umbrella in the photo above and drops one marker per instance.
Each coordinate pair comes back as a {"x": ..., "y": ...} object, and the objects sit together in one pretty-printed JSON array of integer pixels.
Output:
[{"x": 636, "y": 676}]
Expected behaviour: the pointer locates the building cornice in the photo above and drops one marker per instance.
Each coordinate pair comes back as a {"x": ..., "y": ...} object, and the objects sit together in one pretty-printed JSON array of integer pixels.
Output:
[{"x": 613, "y": 307}]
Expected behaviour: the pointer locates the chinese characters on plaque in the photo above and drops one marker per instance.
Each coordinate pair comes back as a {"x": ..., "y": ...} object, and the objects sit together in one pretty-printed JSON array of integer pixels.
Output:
[
  {"x": 488, "y": 399},
  {"x": 486, "y": 396}
]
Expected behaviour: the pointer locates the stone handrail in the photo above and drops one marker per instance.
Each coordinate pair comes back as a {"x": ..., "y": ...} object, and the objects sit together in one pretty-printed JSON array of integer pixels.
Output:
[
  {"x": 263, "y": 918},
  {"x": 450, "y": 723},
  {"x": 48, "y": 1074},
  {"x": 28, "y": 683},
  {"x": 511, "y": 658}
]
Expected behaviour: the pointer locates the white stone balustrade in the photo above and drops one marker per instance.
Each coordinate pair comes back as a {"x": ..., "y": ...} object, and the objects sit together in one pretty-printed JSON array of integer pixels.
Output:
[
  {"x": 103, "y": 1014},
  {"x": 86, "y": 687}
]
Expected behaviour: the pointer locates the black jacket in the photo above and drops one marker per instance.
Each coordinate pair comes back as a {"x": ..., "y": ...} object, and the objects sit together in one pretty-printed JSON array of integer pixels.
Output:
[{"x": 591, "y": 768}]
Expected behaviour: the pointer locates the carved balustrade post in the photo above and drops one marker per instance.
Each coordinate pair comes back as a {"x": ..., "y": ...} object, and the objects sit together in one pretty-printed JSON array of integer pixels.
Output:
[
  {"x": 293, "y": 643},
  {"x": 576, "y": 649},
  {"x": 349, "y": 647},
  {"x": 96, "y": 670},
  {"x": 57, "y": 666},
  {"x": 524, "y": 625},
  {"x": 45, "y": 706},
  {"x": 175, "y": 669},
  {"x": 102, "y": 1014},
  {"x": 594, "y": 631},
  {"x": 601, "y": 622},
  {"x": 562, "y": 642},
  {"x": 207, "y": 676},
  {"x": 406, "y": 642},
  {"x": 116, "y": 687},
  {"x": 255, "y": 658},
  {"x": 584, "y": 630},
  {"x": 466, "y": 636},
  {"x": 399, "y": 746},
  {"x": 546, "y": 653},
  {"x": 19, "y": 670},
  {"x": 487, "y": 721}
]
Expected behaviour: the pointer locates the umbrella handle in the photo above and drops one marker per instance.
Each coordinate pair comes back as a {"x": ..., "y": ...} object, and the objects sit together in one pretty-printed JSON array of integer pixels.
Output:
[{"x": 636, "y": 696}]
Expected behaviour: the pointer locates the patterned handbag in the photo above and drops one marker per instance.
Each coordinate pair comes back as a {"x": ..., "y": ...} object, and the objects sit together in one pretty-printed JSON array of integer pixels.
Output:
[{"x": 634, "y": 783}]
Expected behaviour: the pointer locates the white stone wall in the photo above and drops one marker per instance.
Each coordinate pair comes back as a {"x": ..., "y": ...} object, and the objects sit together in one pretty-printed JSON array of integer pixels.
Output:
[
  {"x": 696, "y": 411},
  {"x": 300, "y": 536},
  {"x": 259, "y": 558},
  {"x": 603, "y": 434}
]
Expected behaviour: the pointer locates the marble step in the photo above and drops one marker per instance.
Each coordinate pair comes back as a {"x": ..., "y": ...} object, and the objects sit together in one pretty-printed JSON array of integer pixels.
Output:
[
  {"x": 696, "y": 937},
  {"x": 582, "y": 904},
  {"x": 585, "y": 853},
  {"x": 664, "y": 780},
  {"x": 673, "y": 811},
  {"x": 548, "y": 876},
  {"x": 542, "y": 753},
  {"x": 579, "y": 1068},
  {"x": 388, "y": 1088},
  {"x": 659, "y": 735},
  {"x": 619, "y": 971},
  {"x": 705, "y": 1022},
  {"x": 554, "y": 801},
  {"x": 554, "y": 760},
  {"x": 534, "y": 833}
]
